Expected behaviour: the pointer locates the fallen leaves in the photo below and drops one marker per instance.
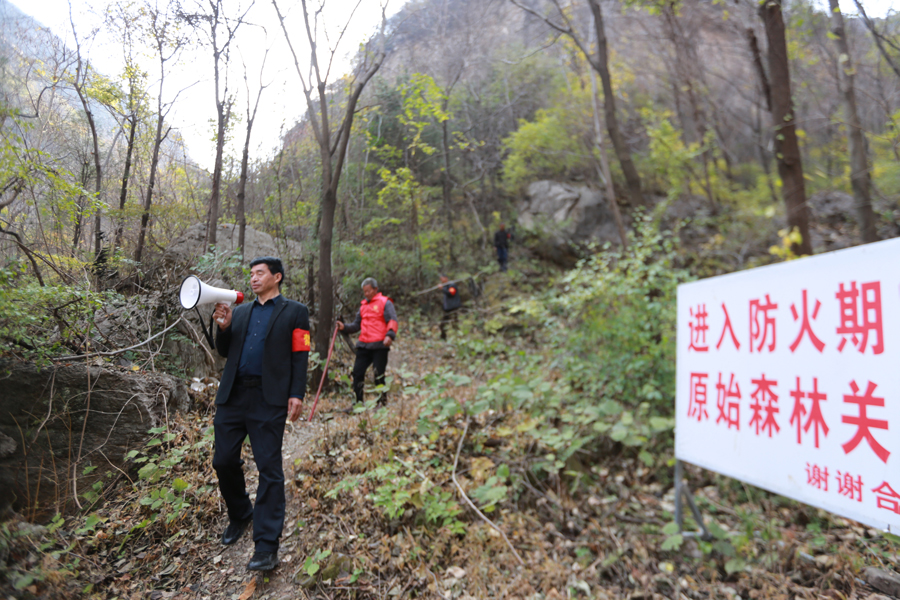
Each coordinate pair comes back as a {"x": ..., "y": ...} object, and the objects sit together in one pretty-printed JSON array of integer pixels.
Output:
[{"x": 249, "y": 590}]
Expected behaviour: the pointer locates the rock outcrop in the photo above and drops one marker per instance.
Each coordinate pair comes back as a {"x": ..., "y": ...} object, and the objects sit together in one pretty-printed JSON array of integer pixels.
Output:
[
  {"x": 189, "y": 246},
  {"x": 565, "y": 216},
  {"x": 51, "y": 415}
]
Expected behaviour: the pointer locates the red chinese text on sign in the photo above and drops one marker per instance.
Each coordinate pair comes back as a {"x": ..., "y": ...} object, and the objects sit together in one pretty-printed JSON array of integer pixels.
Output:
[
  {"x": 765, "y": 399},
  {"x": 817, "y": 477},
  {"x": 816, "y": 420},
  {"x": 887, "y": 497},
  {"x": 759, "y": 332},
  {"x": 697, "y": 404},
  {"x": 729, "y": 410},
  {"x": 698, "y": 328},
  {"x": 727, "y": 327},
  {"x": 863, "y": 422},
  {"x": 847, "y": 486},
  {"x": 858, "y": 324},
  {"x": 782, "y": 415},
  {"x": 806, "y": 326}
]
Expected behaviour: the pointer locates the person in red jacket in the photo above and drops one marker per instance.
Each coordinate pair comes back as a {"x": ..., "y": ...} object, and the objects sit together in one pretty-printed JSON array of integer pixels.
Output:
[
  {"x": 451, "y": 303},
  {"x": 376, "y": 322}
]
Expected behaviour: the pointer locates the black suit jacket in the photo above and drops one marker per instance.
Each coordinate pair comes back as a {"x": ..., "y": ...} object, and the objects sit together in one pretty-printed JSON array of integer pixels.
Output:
[{"x": 284, "y": 370}]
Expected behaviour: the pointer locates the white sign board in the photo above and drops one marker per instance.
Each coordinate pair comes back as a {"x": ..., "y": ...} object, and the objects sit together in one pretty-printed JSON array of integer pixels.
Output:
[{"x": 788, "y": 378}]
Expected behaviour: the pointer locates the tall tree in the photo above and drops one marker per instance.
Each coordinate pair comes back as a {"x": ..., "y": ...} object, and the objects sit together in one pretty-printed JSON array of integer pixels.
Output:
[
  {"x": 600, "y": 63},
  {"x": 167, "y": 41},
  {"x": 220, "y": 30},
  {"x": 603, "y": 164},
  {"x": 132, "y": 110},
  {"x": 81, "y": 82},
  {"x": 245, "y": 156},
  {"x": 860, "y": 176},
  {"x": 331, "y": 137},
  {"x": 787, "y": 148}
]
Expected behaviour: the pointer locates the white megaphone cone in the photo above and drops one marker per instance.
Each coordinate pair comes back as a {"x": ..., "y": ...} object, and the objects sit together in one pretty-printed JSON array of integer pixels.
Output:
[{"x": 194, "y": 293}]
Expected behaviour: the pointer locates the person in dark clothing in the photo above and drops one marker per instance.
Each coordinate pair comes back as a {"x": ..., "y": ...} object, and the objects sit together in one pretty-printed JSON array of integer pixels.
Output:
[
  {"x": 501, "y": 243},
  {"x": 264, "y": 382},
  {"x": 376, "y": 322},
  {"x": 451, "y": 303}
]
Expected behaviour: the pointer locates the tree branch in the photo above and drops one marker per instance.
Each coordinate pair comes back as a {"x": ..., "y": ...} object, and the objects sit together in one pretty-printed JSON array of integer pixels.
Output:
[
  {"x": 120, "y": 351},
  {"x": 471, "y": 504},
  {"x": 879, "y": 38},
  {"x": 24, "y": 248}
]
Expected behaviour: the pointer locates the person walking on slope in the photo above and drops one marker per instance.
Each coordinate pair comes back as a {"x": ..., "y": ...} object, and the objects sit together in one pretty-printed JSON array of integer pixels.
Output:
[
  {"x": 266, "y": 344},
  {"x": 451, "y": 303},
  {"x": 501, "y": 243},
  {"x": 376, "y": 322}
]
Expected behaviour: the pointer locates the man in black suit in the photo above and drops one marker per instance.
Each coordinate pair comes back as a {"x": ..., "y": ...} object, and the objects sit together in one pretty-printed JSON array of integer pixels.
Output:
[{"x": 266, "y": 343}]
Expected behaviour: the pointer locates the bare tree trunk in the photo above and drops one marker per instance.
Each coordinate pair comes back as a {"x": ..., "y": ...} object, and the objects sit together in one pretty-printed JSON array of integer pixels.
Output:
[
  {"x": 245, "y": 157},
  {"x": 224, "y": 114},
  {"x": 687, "y": 78},
  {"x": 148, "y": 199},
  {"x": 242, "y": 190},
  {"x": 214, "y": 18},
  {"x": 164, "y": 40},
  {"x": 332, "y": 150},
  {"x": 98, "y": 178},
  {"x": 860, "y": 178},
  {"x": 787, "y": 149},
  {"x": 81, "y": 79},
  {"x": 605, "y": 172},
  {"x": 601, "y": 65},
  {"x": 79, "y": 211},
  {"x": 311, "y": 293},
  {"x": 446, "y": 184},
  {"x": 123, "y": 192}
]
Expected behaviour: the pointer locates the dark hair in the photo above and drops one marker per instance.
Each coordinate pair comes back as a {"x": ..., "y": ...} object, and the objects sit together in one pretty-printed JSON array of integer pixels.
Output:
[{"x": 273, "y": 263}]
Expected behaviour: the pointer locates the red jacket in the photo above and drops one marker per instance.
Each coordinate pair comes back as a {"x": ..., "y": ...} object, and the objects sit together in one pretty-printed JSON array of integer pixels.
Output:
[{"x": 375, "y": 320}]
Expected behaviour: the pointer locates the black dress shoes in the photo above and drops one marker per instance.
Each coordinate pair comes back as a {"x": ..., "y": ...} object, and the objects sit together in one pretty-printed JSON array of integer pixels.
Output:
[
  {"x": 263, "y": 561},
  {"x": 234, "y": 531}
]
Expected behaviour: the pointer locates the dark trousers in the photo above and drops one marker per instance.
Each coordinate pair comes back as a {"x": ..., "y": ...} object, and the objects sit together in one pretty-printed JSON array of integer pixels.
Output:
[
  {"x": 502, "y": 257},
  {"x": 247, "y": 413},
  {"x": 365, "y": 357},
  {"x": 450, "y": 317}
]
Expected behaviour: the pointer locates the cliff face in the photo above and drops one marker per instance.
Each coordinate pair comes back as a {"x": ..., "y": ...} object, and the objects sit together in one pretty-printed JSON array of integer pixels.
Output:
[{"x": 57, "y": 422}]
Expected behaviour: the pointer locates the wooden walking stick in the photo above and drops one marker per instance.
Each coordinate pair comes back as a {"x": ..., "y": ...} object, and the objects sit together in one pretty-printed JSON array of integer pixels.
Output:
[{"x": 324, "y": 373}]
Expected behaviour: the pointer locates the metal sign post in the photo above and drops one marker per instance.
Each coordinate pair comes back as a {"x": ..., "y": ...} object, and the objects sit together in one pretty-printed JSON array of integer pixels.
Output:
[{"x": 682, "y": 491}]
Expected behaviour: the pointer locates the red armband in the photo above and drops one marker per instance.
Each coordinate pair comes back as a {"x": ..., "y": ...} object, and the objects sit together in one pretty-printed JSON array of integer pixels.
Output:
[
  {"x": 452, "y": 291},
  {"x": 300, "y": 341},
  {"x": 392, "y": 324}
]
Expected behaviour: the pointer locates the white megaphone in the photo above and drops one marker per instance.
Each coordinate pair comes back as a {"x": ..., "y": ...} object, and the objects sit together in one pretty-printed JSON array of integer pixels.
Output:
[{"x": 194, "y": 293}]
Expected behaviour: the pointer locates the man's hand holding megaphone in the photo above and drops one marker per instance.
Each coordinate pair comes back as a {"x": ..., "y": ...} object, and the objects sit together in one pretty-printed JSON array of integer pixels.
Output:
[{"x": 222, "y": 315}]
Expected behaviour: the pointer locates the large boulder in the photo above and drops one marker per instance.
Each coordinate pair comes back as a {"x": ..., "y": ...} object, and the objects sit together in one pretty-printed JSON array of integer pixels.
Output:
[
  {"x": 189, "y": 246},
  {"x": 51, "y": 415},
  {"x": 578, "y": 212},
  {"x": 566, "y": 216}
]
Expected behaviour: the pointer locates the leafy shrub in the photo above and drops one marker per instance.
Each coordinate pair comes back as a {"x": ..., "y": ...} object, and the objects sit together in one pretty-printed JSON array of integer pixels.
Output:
[
  {"x": 38, "y": 321},
  {"x": 608, "y": 369}
]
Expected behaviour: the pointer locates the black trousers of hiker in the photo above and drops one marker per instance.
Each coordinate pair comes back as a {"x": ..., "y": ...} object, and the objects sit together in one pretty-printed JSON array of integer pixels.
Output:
[
  {"x": 365, "y": 357},
  {"x": 247, "y": 413},
  {"x": 449, "y": 318}
]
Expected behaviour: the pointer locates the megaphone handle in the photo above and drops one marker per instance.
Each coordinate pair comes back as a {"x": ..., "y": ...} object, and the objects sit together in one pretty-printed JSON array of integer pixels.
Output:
[
  {"x": 207, "y": 331},
  {"x": 222, "y": 321}
]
